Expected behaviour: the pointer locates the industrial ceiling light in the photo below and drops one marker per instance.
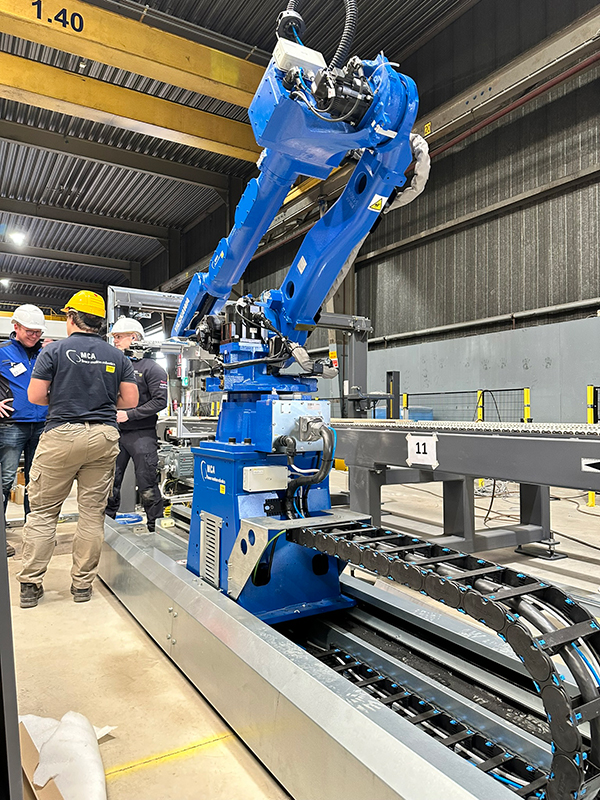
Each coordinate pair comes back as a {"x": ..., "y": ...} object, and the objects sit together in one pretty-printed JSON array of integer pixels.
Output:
[
  {"x": 5, "y": 282},
  {"x": 17, "y": 237}
]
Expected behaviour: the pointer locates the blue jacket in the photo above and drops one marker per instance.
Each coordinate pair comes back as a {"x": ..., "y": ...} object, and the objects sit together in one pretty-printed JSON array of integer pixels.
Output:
[{"x": 12, "y": 353}]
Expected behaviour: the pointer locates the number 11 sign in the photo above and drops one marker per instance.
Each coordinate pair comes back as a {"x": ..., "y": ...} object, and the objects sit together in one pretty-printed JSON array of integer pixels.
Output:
[{"x": 422, "y": 450}]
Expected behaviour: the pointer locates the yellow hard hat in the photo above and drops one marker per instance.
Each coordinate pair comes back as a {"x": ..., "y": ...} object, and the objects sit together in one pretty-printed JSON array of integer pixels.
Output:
[{"x": 87, "y": 302}]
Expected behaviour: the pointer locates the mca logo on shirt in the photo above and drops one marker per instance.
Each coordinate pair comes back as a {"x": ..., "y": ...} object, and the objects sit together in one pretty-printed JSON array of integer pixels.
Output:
[{"x": 81, "y": 357}]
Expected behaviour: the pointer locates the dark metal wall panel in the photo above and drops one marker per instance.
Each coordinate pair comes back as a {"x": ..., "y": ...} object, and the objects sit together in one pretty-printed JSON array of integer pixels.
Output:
[
  {"x": 542, "y": 254},
  {"x": 204, "y": 237},
  {"x": 155, "y": 271},
  {"x": 482, "y": 40}
]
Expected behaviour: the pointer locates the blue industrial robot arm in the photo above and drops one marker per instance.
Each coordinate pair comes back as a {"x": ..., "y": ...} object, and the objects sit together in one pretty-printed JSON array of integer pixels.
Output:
[{"x": 300, "y": 140}]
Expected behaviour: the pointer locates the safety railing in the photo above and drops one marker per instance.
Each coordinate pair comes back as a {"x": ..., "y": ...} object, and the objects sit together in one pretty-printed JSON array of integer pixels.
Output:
[{"x": 484, "y": 405}]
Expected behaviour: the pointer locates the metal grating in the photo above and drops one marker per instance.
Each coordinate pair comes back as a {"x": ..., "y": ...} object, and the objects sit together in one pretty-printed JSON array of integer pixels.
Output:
[{"x": 210, "y": 538}]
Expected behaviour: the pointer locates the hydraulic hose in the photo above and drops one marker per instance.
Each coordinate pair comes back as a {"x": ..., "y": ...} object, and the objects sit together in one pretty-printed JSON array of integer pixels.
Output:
[
  {"x": 343, "y": 51},
  {"x": 310, "y": 480}
]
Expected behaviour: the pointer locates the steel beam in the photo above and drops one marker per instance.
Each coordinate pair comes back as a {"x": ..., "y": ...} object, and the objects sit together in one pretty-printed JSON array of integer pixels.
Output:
[
  {"x": 37, "y": 84},
  {"x": 160, "y": 20},
  {"x": 113, "y": 156},
  {"x": 46, "y": 254},
  {"x": 534, "y": 453},
  {"x": 134, "y": 47},
  {"x": 22, "y": 208},
  {"x": 553, "y": 56},
  {"x": 43, "y": 302},
  {"x": 41, "y": 280}
]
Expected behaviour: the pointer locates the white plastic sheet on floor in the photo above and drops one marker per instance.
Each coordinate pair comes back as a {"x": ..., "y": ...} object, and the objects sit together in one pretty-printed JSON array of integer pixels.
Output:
[{"x": 69, "y": 753}]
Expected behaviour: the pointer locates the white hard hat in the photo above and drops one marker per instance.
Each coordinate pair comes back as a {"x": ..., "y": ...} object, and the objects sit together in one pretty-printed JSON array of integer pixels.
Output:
[
  {"x": 127, "y": 325},
  {"x": 30, "y": 316}
]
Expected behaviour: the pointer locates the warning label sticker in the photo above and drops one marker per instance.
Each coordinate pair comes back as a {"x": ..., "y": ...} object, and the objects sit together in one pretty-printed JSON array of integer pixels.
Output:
[{"x": 376, "y": 203}]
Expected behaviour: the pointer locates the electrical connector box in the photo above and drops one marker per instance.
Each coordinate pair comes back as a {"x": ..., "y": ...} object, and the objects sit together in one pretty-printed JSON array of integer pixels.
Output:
[
  {"x": 265, "y": 479},
  {"x": 288, "y": 54}
]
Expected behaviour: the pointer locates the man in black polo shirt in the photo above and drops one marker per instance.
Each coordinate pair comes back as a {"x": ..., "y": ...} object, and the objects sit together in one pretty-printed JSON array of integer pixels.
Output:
[
  {"x": 82, "y": 380},
  {"x": 138, "y": 426}
]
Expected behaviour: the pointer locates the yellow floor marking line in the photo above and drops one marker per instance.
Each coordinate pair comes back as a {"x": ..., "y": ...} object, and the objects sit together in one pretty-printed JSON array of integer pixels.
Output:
[{"x": 161, "y": 758}]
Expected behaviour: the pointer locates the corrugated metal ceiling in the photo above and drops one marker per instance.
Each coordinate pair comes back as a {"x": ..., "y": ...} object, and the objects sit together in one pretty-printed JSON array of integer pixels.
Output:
[
  {"x": 54, "y": 179},
  {"x": 60, "y": 180},
  {"x": 393, "y": 27},
  {"x": 80, "y": 238},
  {"x": 62, "y": 271}
]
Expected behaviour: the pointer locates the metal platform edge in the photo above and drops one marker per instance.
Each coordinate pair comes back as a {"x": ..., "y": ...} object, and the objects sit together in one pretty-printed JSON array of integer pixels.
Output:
[{"x": 315, "y": 732}]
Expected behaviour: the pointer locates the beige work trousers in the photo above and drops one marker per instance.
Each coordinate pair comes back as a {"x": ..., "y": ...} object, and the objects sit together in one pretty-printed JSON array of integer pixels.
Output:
[{"x": 85, "y": 452}]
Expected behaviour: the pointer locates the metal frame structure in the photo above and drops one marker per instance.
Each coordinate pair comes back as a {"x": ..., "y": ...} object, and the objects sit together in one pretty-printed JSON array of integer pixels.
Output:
[
  {"x": 536, "y": 456},
  {"x": 140, "y": 299},
  {"x": 11, "y": 786}
]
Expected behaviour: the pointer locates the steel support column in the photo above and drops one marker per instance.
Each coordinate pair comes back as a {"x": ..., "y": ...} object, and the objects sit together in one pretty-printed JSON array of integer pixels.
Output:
[{"x": 10, "y": 752}]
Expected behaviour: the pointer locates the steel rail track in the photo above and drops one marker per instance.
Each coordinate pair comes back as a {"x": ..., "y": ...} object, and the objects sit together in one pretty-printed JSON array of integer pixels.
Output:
[{"x": 509, "y": 768}]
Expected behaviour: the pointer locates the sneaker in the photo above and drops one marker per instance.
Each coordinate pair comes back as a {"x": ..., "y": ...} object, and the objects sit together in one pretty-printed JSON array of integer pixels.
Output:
[
  {"x": 30, "y": 594},
  {"x": 10, "y": 550},
  {"x": 81, "y": 595}
]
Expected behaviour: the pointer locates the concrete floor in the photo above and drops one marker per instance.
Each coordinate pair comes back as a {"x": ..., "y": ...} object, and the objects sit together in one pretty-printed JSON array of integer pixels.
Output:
[{"x": 94, "y": 658}]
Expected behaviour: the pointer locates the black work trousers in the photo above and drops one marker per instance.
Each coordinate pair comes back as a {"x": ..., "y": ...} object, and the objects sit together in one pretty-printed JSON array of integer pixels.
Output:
[{"x": 142, "y": 447}]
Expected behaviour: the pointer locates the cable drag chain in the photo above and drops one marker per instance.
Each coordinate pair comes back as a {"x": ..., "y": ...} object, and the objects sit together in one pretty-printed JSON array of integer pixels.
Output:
[
  {"x": 501, "y": 598},
  {"x": 511, "y": 769}
]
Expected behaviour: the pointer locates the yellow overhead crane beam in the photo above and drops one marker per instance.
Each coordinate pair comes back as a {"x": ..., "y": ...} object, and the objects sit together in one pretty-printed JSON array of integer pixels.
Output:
[
  {"x": 112, "y": 39},
  {"x": 37, "y": 84}
]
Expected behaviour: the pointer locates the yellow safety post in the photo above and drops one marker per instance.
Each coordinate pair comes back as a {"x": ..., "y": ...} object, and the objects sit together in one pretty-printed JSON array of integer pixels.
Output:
[
  {"x": 480, "y": 482},
  {"x": 591, "y": 418},
  {"x": 479, "y": 405},
  {"x": 212, "y": 408},
  {"x": 527, "y": 404},
  {"x": 404, "y": 406}
]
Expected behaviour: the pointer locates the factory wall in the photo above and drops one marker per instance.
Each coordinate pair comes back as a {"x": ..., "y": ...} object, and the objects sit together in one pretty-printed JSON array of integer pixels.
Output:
[
  {"x": 480, "y": 41},
  {"x": 540, "y": 254},
  {"x": 543, "y": 252},
  {"x": 556, "y": 361}
]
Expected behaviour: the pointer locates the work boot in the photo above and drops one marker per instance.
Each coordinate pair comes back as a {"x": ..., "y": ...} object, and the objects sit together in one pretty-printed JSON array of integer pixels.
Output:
[
  {"x": 10, "y": 550},
  {"x": 30, "y": 594},
  {"x": 81, "y": 595}
]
